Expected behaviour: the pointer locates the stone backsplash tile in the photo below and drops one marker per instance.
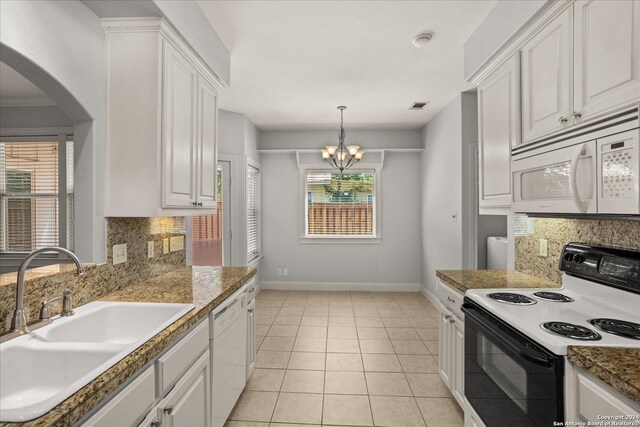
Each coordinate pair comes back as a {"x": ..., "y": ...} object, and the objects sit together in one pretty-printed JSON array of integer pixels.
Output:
[
  {"x": 558, "y": 231},
  {"x": 102, "y": 279}
]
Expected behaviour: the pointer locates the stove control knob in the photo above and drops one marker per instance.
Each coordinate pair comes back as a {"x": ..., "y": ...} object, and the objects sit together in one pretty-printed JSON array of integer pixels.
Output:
[
  {"x": 579, "y": 258},
  {"x": 568, "y": 256}
]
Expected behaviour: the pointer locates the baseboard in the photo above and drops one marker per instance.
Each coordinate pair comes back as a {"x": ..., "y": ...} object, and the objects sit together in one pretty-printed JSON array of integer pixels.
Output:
[
  {"x": 429, "y": 295},
  {"x": 341, "y": 286}
]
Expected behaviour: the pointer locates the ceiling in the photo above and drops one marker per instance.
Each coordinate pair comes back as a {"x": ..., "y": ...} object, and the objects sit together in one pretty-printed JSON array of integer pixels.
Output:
[
  {"x": 17, "y": 90},
  {"x": 294, "y": 62}
]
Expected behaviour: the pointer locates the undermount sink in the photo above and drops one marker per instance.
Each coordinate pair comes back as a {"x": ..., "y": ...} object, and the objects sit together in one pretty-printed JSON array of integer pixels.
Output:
[{"x": 41, "y": 369}]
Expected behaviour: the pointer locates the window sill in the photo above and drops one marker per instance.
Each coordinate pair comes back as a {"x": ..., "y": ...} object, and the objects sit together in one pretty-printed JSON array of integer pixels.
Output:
[{"x": 342, "y": 240}]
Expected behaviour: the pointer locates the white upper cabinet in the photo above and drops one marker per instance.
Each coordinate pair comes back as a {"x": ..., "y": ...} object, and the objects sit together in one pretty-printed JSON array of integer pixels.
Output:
[
  {"x": 207, "y": 163},
  {"x": 499, "y": 118},
  {"x": 546, "y": 78},
  {"x": 178, "y": 129},
  {"x": 162, "y": 122},
  {"x": 607, "y": 56}
]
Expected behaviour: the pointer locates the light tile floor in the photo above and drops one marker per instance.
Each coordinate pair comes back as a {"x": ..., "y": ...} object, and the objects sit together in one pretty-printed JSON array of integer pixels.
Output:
[{"x": 346, "y": 359}]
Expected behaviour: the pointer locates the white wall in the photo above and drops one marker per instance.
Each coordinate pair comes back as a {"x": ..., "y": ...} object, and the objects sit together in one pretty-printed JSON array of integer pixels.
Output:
[
  {"x": 33, "y": 117},
  {"x": 368, "y": 139},
  {"x": 396, "y": 260},
  {"x": 59, "y": 46},
  {"x": 504, "y": 23}
]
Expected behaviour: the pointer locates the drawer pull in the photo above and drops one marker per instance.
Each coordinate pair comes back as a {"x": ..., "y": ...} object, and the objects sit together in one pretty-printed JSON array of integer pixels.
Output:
[
  {"x": 168, "y": 409},
  {"x": 451, "y": 299}
]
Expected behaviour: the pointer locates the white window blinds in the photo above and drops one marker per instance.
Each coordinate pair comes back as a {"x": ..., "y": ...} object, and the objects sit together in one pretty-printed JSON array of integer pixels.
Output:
[
  {"x": 253, "y": 213},
  {"x": 340, "y": 205},
  {"x": 36, "y": 195}
]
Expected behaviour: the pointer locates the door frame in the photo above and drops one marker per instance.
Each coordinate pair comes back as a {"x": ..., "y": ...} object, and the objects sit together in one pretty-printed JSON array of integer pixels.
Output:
[{"x": 231, "y": 201}]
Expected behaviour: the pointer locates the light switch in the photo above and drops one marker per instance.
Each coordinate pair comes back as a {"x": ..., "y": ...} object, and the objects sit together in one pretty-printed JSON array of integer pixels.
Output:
[
  {"x": 165, "y": 245},
  {"x": 150, "y": 249},
  {"x": 119, "y": 254},
  {"x": 544, "y": 247}
]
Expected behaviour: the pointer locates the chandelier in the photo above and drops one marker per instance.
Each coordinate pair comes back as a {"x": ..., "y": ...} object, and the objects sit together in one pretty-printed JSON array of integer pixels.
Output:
[{"x": 341, "y": 157}]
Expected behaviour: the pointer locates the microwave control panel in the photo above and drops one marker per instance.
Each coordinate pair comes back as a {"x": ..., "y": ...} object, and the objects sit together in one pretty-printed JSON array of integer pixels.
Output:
[{"x": 617, "y": 170}]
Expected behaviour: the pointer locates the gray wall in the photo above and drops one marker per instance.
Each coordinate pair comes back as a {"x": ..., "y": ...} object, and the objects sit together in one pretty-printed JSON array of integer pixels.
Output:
[
  {"x": 59, "y": 46},
  {"x": 395, "y": 260},
  {"x": 504, "y": 23},
  {"x": 33, "y": 117},
  {"x": 367, "y": 139},
  {"x": 237, "y": 137},
  {"x": 441, "y": 178}
]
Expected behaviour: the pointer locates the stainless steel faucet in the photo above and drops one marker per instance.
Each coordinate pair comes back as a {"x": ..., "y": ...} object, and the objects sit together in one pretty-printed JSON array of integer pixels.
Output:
[{"x": 19, "y": 322}]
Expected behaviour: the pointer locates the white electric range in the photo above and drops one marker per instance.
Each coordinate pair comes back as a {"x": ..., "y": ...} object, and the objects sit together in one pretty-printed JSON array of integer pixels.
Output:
[{"x": 516, "y": 340}]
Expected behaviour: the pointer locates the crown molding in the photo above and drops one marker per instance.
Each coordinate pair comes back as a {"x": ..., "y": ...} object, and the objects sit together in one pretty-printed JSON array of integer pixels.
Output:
[{"x": 32, "y": 101}]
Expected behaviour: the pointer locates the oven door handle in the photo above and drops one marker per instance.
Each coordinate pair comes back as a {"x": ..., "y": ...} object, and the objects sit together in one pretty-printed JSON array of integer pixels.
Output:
[{"x": 520, "y": 349}]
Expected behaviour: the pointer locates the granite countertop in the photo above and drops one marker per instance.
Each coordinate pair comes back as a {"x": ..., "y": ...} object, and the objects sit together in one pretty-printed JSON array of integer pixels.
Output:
[
  {"x": 8, "y": 279},
  {"x": 205, "y": 287},
  {"x": 463, "y": 280},
  {"x": 618, "y": 367}
]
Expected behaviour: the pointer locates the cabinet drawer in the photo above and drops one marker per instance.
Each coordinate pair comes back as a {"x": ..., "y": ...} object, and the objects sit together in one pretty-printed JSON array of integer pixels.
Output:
[
  {"x": 450, "y": 298},
  {"x": 596, "y": 401},
  {"x": 176, "y": 361},
  {"x": 129, "y": 405}
]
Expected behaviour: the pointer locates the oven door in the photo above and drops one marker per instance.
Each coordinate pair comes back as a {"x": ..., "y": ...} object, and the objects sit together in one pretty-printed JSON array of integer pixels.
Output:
[
  {"x": 509, "y": 380},
  {"x": 557, "y": 181}
]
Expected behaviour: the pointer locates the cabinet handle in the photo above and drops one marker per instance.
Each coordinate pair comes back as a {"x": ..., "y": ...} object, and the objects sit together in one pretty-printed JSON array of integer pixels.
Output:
[
  {"x": 195, "y": 203},
  {"x": 577, "y": 114},
  {"x": 156, "y": 423},
  {"x": 168, "y": 409},
  {"x": 200, "y": 204},
  {"x": 563, "y": 120},
  {"x": 447, "y": 317},
  {"x": 451, "y": 299}
]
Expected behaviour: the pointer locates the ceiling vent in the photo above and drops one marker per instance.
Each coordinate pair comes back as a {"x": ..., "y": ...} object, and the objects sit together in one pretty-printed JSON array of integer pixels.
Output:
[{"x": 418, "y": 106}]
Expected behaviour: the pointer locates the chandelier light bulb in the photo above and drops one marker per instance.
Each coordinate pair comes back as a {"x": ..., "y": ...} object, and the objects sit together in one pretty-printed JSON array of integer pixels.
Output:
[
  {"x": 359, "y": 155},
  {"x": 325, "y": 154},
  {"x": 353, "y": 149},
  {"x": 331, "y": 149}
]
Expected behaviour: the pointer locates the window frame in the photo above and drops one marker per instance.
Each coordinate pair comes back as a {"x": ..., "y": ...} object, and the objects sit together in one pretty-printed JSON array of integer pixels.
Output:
[
  {"x": 61, "y": 139},
  {"x": 256, "y": 165},
  {"x": 331, "y": 239}
]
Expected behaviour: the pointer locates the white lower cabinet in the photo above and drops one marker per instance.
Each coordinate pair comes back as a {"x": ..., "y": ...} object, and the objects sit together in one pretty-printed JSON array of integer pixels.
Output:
[
  {"x": 188, "y": 403},
  {"x": 176, "y": 387},
  {"x": 588, "y": 399},
  {"x": 451, "y": 342}
]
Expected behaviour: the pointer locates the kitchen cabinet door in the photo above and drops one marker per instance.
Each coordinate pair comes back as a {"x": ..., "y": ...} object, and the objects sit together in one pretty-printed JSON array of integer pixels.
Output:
[
  {"x": 457, "y": 386},
  {"x": 546, "y": 78},
  {"x": 179, "y": 130},
  {"x": 499, "y": 131},
  {"x": 445, "y": 359},
  {"x": 207, "y": 164},
  {"x": 188, "y": 403},
  {"x": 607, "y": 56}
]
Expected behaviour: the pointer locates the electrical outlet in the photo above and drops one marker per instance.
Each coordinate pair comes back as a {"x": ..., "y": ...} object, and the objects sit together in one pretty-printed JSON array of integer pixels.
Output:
[
  {"x": 544, "y": 247},
  {"x": 176, "y": 243},
  {"x": 150, "y": 249},
  {"x": 285, "y": 272},
  {"x": 119, "y": 254},
  {"x": 165, "y": 245},
  {"x": 279, "y": 271}
]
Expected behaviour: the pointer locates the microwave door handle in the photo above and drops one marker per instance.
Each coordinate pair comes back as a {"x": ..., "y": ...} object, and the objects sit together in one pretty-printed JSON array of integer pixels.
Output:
[{"x": 573, "y": 182}]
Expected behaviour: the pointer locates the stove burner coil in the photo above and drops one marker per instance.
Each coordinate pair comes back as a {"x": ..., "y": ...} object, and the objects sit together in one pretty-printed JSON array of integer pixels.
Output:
[
  {"x": 553, "y": 296},
  {"x": 572, "y": 331},
  {"x": 512, "y": 298},
  {"x": 618, "y": 327}
]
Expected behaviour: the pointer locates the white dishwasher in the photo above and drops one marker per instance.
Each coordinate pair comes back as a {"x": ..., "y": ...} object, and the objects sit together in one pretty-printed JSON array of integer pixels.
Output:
[{"x": 228, "y": 334}]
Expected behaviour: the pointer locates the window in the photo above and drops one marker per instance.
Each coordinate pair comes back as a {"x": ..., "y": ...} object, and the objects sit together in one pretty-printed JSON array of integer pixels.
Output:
[
  {"x": 253, "y": 213},
  {"x": 340, "y": 205},
  {"x": 36, "y": 195}
]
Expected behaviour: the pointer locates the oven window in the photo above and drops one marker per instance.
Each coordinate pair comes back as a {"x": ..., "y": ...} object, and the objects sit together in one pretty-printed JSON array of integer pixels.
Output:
[{"x": 505, "y": 372}]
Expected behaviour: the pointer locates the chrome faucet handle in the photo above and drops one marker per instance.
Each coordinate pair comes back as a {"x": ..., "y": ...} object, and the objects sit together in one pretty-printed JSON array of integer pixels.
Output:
[
  {"x": 67, "y": 309},
  {"x": 45, "y": 313}
]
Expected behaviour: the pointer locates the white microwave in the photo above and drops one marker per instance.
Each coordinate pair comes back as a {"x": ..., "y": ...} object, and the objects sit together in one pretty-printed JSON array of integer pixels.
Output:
[{"x": 592, "y": 170}]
